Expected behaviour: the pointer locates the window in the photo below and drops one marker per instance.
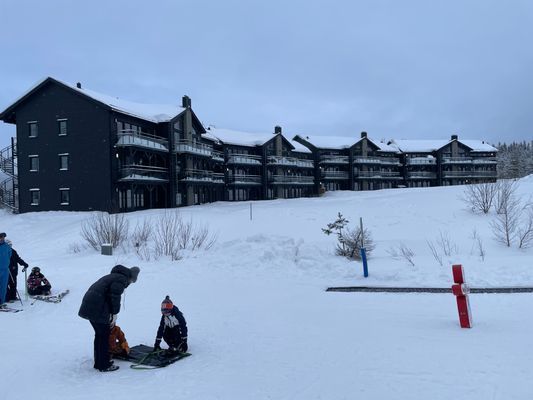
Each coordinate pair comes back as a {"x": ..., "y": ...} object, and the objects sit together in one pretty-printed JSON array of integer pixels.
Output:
[
  {"x": 64, "y": 196},
  {"x": 62, "y": 127},
  {"x": 32, "y": 129},
  {"x": 34, "y": 163},
  {"x": 35, "y": 197},
  {"x": 63, "y": 162}
]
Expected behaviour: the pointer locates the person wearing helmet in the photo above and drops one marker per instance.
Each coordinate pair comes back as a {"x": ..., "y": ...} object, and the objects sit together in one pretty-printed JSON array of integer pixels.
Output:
[
  {"x": 14, "y": 262},
  {"x": 172, "y": 328},
  {"x": 37, "y": 283}
]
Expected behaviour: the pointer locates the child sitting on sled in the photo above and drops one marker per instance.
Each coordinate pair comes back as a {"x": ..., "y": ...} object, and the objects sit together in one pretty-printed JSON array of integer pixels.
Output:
[
  {"x": 118, "y": 345},
  {"x": 172, "y": 328},
  {"x": 37, "y": 283}
]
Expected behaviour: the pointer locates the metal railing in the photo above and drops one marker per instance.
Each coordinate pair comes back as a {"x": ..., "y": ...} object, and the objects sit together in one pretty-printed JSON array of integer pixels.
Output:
[
  {"x": 377, "y": 174},
  {"x": 137, "y": 172},
  {"x": 421, "y": 175},
  {"x": 421, "y": 161},
  {"x": 484, "y": 160},
  {"x": 188, "y": 146},
  {"x": 469, "y": 174},
  {"x": 130, "y": 137},
  {"x": 217, "y": 156},
  {"x": 290, "y": 162},
  {"x": 335, "y": 175},
  {"x": 456, "y": 160},
  {"x": 367, "y": 160},
  {"x": 291, "y": 179},
  {"x": 334, "y": 159},
  {"x": 197, "y": 175},
  {"x": 244, "y": 159},
  {"x": 9, "y": 186},
  {"x": 244, "y": 179}
]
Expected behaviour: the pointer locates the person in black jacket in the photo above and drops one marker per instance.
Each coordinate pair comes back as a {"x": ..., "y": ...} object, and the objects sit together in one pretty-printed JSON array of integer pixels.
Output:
[
  {"x": 101, "y": 305},
  {"x": 14, "y": 262},
  {"x": 172, "y": 328}
]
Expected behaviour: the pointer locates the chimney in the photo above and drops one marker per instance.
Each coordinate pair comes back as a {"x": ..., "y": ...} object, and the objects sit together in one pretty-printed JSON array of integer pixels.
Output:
[
  {"x": 455, "y": 137},
  {"x": 363, "y": 135},
  {"x": 277, "y": 129},
  {"x": 78, "y": 85},
  {"x": 186, "y": 102}
]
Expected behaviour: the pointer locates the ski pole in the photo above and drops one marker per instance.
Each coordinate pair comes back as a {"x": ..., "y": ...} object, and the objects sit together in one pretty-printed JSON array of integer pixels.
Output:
[
  {"x": 16, "y": 290},
  {"x": 26, "y": 283}
]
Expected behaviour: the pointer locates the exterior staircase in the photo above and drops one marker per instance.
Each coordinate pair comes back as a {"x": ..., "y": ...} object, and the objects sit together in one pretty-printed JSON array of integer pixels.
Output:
[{"x": 9, "y": 177}]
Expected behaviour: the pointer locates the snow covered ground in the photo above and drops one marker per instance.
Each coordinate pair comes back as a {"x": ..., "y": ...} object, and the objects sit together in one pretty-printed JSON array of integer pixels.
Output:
[{"x": 261, "y": 325}]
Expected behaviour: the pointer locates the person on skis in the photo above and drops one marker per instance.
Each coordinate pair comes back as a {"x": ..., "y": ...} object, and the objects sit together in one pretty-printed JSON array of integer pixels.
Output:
[
  {"x": 37, "y": 283},
  {"x": 172, "y": 328},
  {"x": 14, "y": 262},
  {"x": 5, "y": 257}
]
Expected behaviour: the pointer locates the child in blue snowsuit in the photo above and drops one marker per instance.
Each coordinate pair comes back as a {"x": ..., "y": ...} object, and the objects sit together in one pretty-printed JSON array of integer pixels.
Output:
[
  {"x": 172, "y": 328},
  {"x": 5, "y": 258}
]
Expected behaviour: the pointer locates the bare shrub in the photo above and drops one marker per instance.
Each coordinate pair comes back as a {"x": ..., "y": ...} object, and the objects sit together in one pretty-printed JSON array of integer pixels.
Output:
[
  {"x": 104, "y": 228},
  {"x": 75, "y": 248},
  {"x": 446, "y": 244},
  {"x": 506, "y": 223},
  {"x": 525, "y": 230},
  {"x": 139, "y": 239},
  {"x": 435, "y": 252},
  {"x": 352, "y": 241},
  {"x": 478, "y": 245},
  {"x": 506, "y": 190},
  {"x": 402, "y": 252},
  {"x": 480, "y": 197},
  {"x": 202, "y": 238},
  {"x": 166, "y": 235}
]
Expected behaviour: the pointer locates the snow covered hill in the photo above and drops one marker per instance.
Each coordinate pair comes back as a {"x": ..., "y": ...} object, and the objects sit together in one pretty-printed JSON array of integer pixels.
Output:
[{"x": 261, "y": 325}]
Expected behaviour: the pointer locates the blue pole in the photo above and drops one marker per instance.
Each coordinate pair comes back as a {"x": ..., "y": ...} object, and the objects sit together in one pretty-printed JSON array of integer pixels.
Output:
[{"x": 365, "y": 265}]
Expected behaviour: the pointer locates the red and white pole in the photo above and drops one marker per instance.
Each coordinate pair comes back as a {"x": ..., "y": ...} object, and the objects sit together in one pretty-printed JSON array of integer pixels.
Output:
[{"x": 461, "y": 290}]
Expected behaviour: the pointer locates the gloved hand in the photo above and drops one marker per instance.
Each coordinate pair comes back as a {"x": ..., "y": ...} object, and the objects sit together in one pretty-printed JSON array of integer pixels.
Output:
[
  {"x": 25, "y": 268},
  {"x": 112, "y": 319},
  {"x": 157, "y": 344},
  {"x": 182, "y": 347}
]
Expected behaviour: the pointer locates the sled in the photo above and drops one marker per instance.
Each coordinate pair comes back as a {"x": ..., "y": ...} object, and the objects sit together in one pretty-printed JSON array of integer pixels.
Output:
[{"x": 144, "y": 357}]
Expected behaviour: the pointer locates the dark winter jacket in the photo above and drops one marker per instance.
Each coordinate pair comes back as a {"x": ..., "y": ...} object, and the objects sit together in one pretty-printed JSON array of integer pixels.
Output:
[
  {"x": 15, "y": 261},
  {"x": 173, "y": 324},
  {"x": 35, "y": 281},
  {"x": 103, "y": 297}
]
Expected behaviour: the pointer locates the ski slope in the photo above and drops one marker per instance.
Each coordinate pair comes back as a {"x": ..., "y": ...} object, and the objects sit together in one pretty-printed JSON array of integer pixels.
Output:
[{"x": 261, "y": 325}]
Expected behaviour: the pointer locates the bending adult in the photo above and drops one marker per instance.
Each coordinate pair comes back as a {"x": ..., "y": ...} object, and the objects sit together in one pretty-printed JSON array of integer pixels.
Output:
[
  {"x": 5, "y": 258},
  {"x": 101, "y": 305}
]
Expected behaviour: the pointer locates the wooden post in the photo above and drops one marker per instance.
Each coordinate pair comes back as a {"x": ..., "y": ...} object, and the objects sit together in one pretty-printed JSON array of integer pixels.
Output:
[{"x": 363, "y": 250}]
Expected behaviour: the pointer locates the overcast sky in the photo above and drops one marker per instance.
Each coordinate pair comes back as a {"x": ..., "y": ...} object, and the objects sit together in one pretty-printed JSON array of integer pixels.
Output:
[{"x": 397, "y": 69}]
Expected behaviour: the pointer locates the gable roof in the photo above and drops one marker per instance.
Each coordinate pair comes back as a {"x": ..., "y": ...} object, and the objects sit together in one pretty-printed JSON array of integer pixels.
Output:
[
  {"x": 229, "y": 136},
  {"x": 342, "y": 142},
  {"x": 428, "y": 146},
  {"x": 149, "y": 112}
]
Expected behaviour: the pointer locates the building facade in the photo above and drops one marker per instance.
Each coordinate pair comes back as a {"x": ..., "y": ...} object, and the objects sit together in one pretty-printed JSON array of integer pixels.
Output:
[{"x": 77, "y": 149}]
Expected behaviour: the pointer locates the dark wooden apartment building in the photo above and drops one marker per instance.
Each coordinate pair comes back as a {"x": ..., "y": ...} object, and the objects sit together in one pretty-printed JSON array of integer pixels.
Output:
[{"x": 81, "y": 150}]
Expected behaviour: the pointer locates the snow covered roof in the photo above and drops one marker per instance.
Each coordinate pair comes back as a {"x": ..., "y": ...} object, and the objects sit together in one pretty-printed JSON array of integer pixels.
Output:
[
  {"x": 343, "y": 142},
  {"x": 299, "y": 147},
  {"x": 478, "y": 145},
  {"x": 427, "y": 146},
  {"x": 149, "y": 112},
  {"x": 228, "y": 136}
]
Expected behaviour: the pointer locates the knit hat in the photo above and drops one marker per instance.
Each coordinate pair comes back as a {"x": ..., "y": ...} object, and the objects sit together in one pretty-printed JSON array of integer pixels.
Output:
[
  {"x": 167, "y": 306},
  {"x": 134, "y": 273},
  {"x": 36, "y": 270},
  {"x": 2, "y": 235}
]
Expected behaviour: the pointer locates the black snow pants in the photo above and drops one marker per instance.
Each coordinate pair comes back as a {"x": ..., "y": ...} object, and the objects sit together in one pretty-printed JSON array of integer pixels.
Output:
[{"x": 101, "y": 345}]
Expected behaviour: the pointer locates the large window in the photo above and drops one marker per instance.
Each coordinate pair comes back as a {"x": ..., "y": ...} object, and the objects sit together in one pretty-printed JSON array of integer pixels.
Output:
[
  {"x": 64, "y": 196},
  {"x": 35, "y": 197},
  {"x": 34, "y": 163},
  {"x": 33, "y": 130},
  {"x": 62, "y": 127},
  {"x": 63, "y": 162}
]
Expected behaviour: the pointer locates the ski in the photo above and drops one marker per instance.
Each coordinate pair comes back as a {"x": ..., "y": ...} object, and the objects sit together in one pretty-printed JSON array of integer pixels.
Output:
[
  {"x": 53, "y": 298},
  {"x": 9, "y": 309}
]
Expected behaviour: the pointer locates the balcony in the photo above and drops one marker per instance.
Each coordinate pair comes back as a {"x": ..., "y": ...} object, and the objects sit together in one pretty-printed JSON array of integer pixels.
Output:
[
  {"x": 421, "y": 175},
  {"x": 335, "y": 175},
  {"x": 144, "y": 173},
  {"x": 190, "y": 147},
  {"x": 291, "y": 180},
  {"x": 290, "y": 162},
  {"x": 201, "y": 176},
  {"x": 367, "y": 160},
  {"x": 334, "y": 159},
  {"x": 457, "y": 160},
  {"x": 217, "y": 156},
  {"x": 377, "y": 175},
  {"x": 421, "y": 161},
  {"x": 469, "y": 174},
  {"x": 244, "y": 180},
  {"x": 485, "y": 160},
  {"x": 244, "y": 159},
  {"x": 132, "y": 138}
]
